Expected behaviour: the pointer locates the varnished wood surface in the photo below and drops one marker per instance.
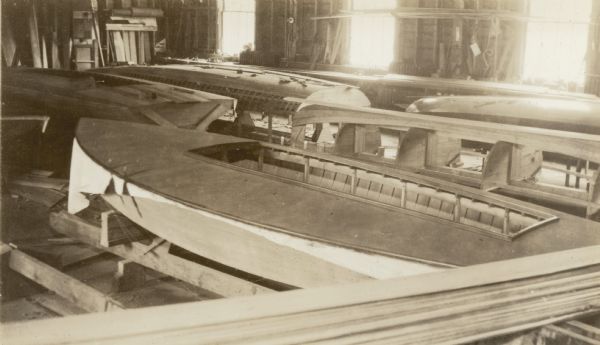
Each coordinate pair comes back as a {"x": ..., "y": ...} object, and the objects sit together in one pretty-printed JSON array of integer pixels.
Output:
[{"x": 155, "y": 159}]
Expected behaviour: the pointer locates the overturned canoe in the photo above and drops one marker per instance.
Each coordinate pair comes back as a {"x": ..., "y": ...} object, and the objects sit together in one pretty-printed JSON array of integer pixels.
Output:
[{"x": 304, "y": 219}]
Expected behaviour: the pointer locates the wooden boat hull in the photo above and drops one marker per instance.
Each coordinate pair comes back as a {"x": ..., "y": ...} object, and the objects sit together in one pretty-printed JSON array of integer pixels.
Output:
[
  {"x": 273, "y": 255},
  {"x": 139, "y": 167}
]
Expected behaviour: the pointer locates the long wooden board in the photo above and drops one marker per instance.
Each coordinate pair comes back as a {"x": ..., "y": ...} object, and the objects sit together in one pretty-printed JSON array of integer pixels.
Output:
[
  {"x": 484, "y": 301},
  {"x": 72, "y": 289}
]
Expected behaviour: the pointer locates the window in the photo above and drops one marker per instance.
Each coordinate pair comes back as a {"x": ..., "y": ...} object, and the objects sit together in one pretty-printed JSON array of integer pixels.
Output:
[
  {"x": 556, "y": 47},
  {"x": 372, "y": 36},
  {"x": 238, "y": 25}
]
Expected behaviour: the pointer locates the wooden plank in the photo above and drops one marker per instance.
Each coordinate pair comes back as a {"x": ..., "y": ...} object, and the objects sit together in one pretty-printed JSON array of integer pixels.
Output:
[
  {"x": 126, "y": 45},
  {"x": 64, "y": 285},
  {"x": 57, "y": 304},
  {"x": 156, "y": 117},
  {"x": 159, "y": 259},
  {"x": 34, "y": 37},
  {"x": 119, "y": 46},
  {"x": 148, "y": 48},
  {"x": 9, "y": 45},
  {"x": 140, "y": 48},
  {"x": 59, "y": 253},
  {"x": 130, "y": 27},
  {"x": 526, "y": 293},
  {"x": 132, "y": 47}
]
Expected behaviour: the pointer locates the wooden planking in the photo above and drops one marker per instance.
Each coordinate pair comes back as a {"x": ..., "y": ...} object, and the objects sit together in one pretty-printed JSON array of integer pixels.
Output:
[
  {"x": 119, "y": 46},
  {"x": 520, "y": 294},
  {"x": 244, "y": 250},
  {"x": 132, "y": 47},
  {"x": 141, "y": 59},
  {"x": 126, "y": 45},
  {"x": 158, "y": 259},
  {"x": 72, "y": 289}
]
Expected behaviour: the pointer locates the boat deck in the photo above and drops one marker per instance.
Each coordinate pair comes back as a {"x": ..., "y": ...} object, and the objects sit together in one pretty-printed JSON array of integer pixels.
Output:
[{"x": 159, "y": 160}]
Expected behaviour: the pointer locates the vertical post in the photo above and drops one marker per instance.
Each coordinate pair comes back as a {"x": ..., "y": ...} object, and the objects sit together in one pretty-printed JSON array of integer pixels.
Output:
[
  {"x": 457, "y": 209},
  {"x": 578, "y": 170},
  {"x": 353, "y": 181},
  {"x": 261, "y": 158},
  {"x": 306, "y": 168},
  {"x": 567, "y": 176},
  {"x": 270, "y": 127},
  {"x": 506, "y": 222},
  {"x": 403, "y": 194}
]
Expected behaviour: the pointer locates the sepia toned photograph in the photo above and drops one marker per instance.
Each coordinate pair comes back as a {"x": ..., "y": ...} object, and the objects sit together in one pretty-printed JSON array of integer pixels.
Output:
[{"x": 417, "y": 172}]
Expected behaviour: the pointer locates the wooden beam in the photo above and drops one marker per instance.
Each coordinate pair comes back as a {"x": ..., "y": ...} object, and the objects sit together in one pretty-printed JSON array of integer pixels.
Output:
[
  {"x": 57, "y": 304},
  {"x": 156, "y": 117},
  {"x": 64, "y": 285},
  {"x": 9, "y": 45},
  {"x": 451, "y": 307},
  {"x": 158, "y": 259}
]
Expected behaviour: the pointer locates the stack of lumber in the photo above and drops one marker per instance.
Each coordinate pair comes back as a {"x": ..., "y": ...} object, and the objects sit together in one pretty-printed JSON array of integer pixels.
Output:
[
  {"x": 450, "y": 307},
  {"x": 130, "y": 34},
  {"x": 46, "y": 34}
]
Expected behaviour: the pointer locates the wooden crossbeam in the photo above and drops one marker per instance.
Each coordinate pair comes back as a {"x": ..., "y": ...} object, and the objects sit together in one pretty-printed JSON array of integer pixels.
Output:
[
  {"x": 156, "y": 256},
  {"x": 156, "y": 118},
  {"x": 64, "y": 285}
]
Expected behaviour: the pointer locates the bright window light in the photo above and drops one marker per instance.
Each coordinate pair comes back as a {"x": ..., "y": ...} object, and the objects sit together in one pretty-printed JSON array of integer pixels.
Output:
[
  {"x": 238, "y": 25},
  {"x": 556, "y": 51},
  {"x": 372, "y": 36}
]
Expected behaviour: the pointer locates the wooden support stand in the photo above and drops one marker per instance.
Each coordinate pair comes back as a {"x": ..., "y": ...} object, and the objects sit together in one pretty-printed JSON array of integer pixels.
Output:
[
  {"x": 117, "y": 229},
  {"x": 64, "y": 285},
  {"x": 129, "y": 276},
  {"x": 157, "y": 257}
]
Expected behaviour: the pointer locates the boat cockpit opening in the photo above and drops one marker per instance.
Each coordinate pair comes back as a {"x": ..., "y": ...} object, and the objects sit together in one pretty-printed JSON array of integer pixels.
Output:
[{"x": 380, "y": 185}]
